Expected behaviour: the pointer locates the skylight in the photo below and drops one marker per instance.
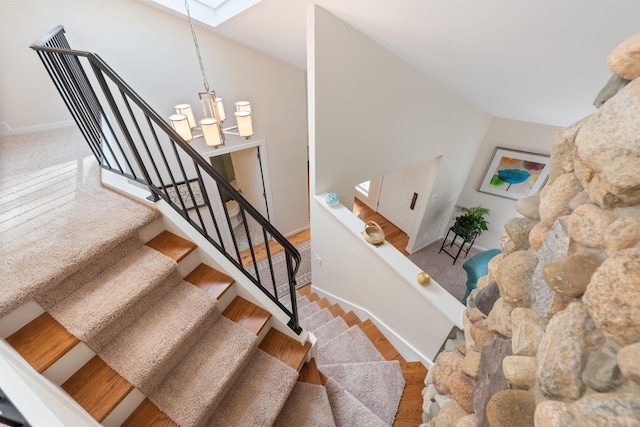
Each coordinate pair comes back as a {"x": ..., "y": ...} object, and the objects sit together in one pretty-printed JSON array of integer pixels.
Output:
[{"x": 209, "y": 12}]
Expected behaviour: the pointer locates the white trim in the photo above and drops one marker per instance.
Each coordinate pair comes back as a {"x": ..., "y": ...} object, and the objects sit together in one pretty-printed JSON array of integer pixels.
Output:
[
  {"x": 37, "y": 399},
  {"x": 37, "y": 128}
]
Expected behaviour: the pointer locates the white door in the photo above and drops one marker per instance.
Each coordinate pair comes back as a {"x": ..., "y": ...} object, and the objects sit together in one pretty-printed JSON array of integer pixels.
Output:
[
  {"x": 246, "y": 165},
  {"x": 399, "y": 196}
]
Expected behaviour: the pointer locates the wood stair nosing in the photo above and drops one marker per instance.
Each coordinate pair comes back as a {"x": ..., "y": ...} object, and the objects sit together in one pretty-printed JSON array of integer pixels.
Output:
[
  {"x": 147, "y": 414},
  {"x": 42, "y": 342},
  {"x": 323, "y": 303},
  {"x": 97, "y": 388},
  {"x": 351, "y": 319},
  {"x": 215, "y": 282},
  {"x": 171, "y": 245},
  {"x": 247, "y": 314},
  {"x": 285, "y": 348},
  {"x": 310, "y": 373}
]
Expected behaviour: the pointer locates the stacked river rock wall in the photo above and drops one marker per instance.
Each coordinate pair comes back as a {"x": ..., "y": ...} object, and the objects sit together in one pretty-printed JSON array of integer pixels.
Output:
[{"x": 552, "y": 334}]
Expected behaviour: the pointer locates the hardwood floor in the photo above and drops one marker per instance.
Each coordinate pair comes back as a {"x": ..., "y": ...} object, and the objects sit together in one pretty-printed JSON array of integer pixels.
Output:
[
  {"x": 396, "y": 237},
  {"x": 260, "y": 250}
]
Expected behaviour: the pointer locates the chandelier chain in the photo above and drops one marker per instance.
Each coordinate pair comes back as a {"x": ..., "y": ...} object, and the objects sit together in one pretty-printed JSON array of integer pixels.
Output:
[{"x": 195, "y": 42}]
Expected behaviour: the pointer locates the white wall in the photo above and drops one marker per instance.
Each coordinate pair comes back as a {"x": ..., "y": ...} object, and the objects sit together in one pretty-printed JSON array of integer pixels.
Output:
[
  {"x": 371, "y": 113},
  {"x": 153, "y": 51},
  {"x": 504, "y": 133},
  {"x": 379, "y": 283}
]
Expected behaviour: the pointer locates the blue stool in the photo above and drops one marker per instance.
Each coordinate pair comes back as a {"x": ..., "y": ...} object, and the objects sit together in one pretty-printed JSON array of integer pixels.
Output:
[{"x": 476, "y": 267}]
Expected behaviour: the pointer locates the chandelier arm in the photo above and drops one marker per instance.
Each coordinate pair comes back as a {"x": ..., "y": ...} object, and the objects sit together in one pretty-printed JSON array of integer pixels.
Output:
[{"x": 197, "y": 46}]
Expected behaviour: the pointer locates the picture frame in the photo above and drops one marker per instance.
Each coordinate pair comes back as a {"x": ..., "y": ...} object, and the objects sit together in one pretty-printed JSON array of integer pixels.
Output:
[
  {"x": 184, "y": 193},
  {"x": 515, "y": 174}
]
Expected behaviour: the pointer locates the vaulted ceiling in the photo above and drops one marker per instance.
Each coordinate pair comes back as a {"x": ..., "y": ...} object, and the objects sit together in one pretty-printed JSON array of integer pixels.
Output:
[{"x": 542, "y": 61}]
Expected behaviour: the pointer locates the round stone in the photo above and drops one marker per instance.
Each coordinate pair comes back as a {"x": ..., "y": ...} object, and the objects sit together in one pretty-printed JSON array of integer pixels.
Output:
[
  {"x": 612, "y": 298},
  {"x": 461, "y": 389},
  {"x": 520, "y": 371},
  {"x": 588, "y": 223},
  {"x": 548, "y": 413},
  {"x": 625, "y": 59},
  {"x": 603, "y": 409},
  {"x": 570, "y": 275},
  {"x": 622, "y": 234},
  {"x": 514, "y": 278},
  {"x": 629, "y": 361},
  {"x": 511, "y": 408}
]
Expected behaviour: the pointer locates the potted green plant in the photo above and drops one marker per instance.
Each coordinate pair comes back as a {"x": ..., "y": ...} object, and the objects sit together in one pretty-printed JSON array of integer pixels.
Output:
[{"x": 471, "y": 222}]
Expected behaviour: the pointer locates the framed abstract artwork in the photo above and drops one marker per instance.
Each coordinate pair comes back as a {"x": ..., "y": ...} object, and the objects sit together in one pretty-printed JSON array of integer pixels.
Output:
[{"x": 515, "y": 174}]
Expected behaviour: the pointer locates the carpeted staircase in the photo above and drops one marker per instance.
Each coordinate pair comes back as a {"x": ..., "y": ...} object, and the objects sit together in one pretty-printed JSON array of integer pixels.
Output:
[
  {"x": 110, "y": 319},
  {"x": 168, "y": 339}
]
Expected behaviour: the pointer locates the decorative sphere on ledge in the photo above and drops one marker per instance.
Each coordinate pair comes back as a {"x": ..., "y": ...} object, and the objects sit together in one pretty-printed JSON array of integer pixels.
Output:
[
  {"x": 332, "y": 199},
  {"x": 424, "y": 278}
]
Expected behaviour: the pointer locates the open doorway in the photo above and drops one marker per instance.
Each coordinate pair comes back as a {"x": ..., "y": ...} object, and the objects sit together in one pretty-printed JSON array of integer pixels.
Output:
[
  {"x": 402, "y": 197},
  {"x": 245, "y": 168}
]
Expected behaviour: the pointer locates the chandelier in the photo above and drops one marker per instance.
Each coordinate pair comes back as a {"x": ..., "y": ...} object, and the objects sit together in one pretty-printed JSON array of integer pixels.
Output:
[{"x": 210, "y": 127}]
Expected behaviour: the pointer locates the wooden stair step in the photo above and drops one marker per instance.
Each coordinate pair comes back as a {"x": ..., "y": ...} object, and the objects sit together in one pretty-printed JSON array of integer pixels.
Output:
[
  {"x": 323, "y": 303},
  {"x": 351, "y": 319},
  {"x": 310, "y": 373},
  {"x": 42, "y": 342},
  {"x": 97, "y": 388},
  {"x": 410, "y": 407},
  {"x": 305, "y": 291},
  {"x": 336, "y": 310},
  {"x": 381, "y": 342},
  {"x": 247, "y": 314},
  {"x": 146, "y": 415},
  {"x": 173, "y": 246},
  {"x": 209, "y": 279},
  {"x": 285, "y": 348}
]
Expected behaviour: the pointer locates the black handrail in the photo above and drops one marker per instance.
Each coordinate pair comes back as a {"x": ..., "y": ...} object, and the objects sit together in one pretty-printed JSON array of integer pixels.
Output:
[{"x": 129, "y": 138}]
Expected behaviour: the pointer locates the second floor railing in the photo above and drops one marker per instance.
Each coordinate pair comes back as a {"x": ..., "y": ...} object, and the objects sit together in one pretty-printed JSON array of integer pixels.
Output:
[{"x": 129, "y": 138}]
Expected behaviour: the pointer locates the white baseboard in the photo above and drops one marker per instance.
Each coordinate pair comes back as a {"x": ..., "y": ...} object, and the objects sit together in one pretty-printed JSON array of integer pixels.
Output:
[{"x": 37, "y": 128}]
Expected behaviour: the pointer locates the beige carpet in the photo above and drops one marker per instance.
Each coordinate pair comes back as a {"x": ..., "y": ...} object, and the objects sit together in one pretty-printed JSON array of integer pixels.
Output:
[
  {"x": 49, "y": 226},
  {"x": 363, "y": 385},
  {"x": 307, "y": 406},
  {"x": 73, "y": 246},
  {"x": 440, "y": 266}
]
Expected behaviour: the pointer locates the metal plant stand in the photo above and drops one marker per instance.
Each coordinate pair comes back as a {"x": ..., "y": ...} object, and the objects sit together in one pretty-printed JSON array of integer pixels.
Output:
[{"x": 464, "y": 245}]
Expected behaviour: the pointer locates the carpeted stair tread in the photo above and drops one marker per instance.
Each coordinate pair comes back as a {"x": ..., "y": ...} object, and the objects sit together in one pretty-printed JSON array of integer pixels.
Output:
[
  {"x": 197, "y": 383},
  {"x": 351, "y": 346},
  {"x": 301, "y": 300},
  {"x": 317, "y": 319},
  {"x": 349, "y": 411},
  {"x": 307, "y": 406},
  {"x": 308, "y": 310},
  {"x": 330, "y": 330},
  {"x": 378, "y": 385},
  {"x": 177, "y": 321},
  {"x": 102, "y": 308},
  {"x": 31, "y": 253},
  {"x": 258, "y": 394},
  {"x": 55, "y": 292}
]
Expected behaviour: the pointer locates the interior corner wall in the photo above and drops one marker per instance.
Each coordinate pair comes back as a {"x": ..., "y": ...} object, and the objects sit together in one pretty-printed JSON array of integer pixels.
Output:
[
  {"x": 372, "y": 113},
  {"x": 518, "y": 135},
  {"x": 153, "y": 51}
]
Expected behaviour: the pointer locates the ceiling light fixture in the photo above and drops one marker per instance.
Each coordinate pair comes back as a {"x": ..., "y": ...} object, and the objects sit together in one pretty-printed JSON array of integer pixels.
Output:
[{"x": 210, "y": 127}]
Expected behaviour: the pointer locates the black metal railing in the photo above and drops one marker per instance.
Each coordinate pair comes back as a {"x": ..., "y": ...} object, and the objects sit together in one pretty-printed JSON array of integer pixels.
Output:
[{"x": 129, "y": 138}]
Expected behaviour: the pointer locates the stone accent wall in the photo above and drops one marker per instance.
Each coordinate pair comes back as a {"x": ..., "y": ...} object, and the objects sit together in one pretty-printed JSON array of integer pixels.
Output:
[{"x": 552, "y": 334}]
